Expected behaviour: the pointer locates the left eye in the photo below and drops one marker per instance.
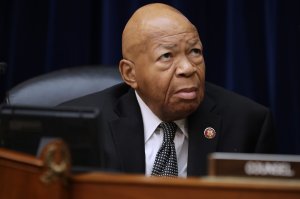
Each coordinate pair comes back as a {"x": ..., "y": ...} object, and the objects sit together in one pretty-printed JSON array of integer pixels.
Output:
[{"x": 196, "y": 51}]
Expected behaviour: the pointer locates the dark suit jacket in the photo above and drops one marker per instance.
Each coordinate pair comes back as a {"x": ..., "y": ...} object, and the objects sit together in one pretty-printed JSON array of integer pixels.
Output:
[{"x": 241, "y": 125}]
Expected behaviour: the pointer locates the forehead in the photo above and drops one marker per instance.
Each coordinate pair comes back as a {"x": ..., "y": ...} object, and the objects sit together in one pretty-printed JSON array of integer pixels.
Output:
[
  {"x": 166, "y": 26},
  {"x": 167, "y": 29},
  {"x": 150, "y": 24},
  {"x": 172, "y": 41}
]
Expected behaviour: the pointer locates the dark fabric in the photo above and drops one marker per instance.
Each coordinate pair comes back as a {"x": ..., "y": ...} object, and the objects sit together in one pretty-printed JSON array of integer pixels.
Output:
[
  {"x": 240, "y": 124},
  {"x": 250, "y": 46}
]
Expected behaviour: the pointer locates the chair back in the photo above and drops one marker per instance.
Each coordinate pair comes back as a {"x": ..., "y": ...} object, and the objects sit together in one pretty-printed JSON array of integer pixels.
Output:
[{"x": 62, "y": 85}]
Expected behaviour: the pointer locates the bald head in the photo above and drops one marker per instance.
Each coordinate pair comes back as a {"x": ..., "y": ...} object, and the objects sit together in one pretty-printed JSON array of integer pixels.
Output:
[
  {"x": 149, "y": 22},
  {"x": 163, "y": 61}
]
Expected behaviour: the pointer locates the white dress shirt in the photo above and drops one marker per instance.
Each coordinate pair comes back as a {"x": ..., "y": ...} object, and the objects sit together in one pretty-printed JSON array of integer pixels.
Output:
[{"x": 153, "y": 137}]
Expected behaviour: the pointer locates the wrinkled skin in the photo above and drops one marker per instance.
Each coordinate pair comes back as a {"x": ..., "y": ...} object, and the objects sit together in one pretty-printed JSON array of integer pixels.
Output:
[{"x": 163, "y": 61}]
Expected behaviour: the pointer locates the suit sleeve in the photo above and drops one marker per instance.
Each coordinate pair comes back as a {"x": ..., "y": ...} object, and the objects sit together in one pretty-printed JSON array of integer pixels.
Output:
[{"x": 267, "y": 141}]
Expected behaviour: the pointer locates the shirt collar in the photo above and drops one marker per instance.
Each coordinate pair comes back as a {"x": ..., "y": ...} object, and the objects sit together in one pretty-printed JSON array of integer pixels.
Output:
[{"x": 151, "y": 121}]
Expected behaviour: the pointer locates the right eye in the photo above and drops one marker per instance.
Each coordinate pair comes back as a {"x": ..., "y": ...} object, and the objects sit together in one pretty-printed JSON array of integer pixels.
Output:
[{"x": 165, "y": 57}]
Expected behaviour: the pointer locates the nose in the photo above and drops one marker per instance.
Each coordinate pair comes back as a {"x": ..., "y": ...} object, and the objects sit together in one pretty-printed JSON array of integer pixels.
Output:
[{"x": 185, "y": 68}]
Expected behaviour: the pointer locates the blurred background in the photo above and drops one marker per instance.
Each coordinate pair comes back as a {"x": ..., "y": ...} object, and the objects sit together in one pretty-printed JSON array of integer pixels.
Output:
[{"x": 251, "y": 46}]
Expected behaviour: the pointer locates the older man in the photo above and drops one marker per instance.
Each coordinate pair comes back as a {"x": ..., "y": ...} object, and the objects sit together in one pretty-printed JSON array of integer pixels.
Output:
[{"x": 165, "y": 119}]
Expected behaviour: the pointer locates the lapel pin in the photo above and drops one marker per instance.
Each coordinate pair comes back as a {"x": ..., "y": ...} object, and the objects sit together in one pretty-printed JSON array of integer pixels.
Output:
[{"x": 209, "y": 133}]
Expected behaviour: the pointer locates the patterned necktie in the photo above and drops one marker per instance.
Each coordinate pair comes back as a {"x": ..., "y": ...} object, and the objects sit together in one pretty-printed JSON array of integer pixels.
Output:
[{"x": 165, "y": 163}]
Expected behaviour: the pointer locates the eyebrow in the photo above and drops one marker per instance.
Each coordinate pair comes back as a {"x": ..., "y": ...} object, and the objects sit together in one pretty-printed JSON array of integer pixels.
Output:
[
  {"x": 172, "y": 46},
  {"x": 167, "y": 46},
  {"x": 194, "y": 42}
]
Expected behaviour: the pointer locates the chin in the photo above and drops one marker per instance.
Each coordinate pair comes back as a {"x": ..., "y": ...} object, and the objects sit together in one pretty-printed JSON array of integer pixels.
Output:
[{"x": 180, "y": 111}]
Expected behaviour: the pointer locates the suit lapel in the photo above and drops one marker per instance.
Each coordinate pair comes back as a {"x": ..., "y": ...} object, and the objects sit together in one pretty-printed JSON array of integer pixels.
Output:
[
  {"x": 128, "y": 134},
  {"x": 199, "y": 145}
]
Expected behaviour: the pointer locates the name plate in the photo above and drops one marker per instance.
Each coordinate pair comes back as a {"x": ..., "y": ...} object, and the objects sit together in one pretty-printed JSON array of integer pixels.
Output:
[{"x": 254, "y": 165}]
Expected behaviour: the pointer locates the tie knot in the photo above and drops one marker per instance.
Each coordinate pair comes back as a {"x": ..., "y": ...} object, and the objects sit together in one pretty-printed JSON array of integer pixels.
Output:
[{"x": 169, "y": 129}]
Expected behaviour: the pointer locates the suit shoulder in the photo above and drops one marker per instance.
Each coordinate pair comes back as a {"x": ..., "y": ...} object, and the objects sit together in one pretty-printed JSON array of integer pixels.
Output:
[{"x": 231, "y": 100}]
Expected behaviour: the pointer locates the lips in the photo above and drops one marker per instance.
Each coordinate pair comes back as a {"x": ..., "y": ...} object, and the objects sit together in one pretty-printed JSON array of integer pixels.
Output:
[{"x": 187, "y": 93}]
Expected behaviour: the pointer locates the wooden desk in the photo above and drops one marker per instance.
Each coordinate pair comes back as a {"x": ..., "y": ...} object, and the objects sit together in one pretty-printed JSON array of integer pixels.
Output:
[
  {"x": 111, "y": 186},
  {"x": 22, "y": 176}
]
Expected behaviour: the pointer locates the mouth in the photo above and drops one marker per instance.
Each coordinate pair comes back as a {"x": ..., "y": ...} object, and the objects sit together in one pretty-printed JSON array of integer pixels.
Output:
[{"x": 187, "y": 93}]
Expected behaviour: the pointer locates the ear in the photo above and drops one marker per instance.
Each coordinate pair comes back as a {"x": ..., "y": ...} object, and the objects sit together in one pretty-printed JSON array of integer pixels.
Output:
[{"x": 127, "y": 70}]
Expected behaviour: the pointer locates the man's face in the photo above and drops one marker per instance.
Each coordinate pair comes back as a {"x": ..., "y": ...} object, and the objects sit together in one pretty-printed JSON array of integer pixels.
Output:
[{"x": 170, "y": 73}]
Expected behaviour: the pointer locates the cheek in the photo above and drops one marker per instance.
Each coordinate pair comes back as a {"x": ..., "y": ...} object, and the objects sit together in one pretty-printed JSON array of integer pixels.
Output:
[
  {"x": 160, "y": 88},
  {"x": 201, "y": 70},
  {"x": 201, "y": 77},
  {"x": 154, "y": 86}
]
